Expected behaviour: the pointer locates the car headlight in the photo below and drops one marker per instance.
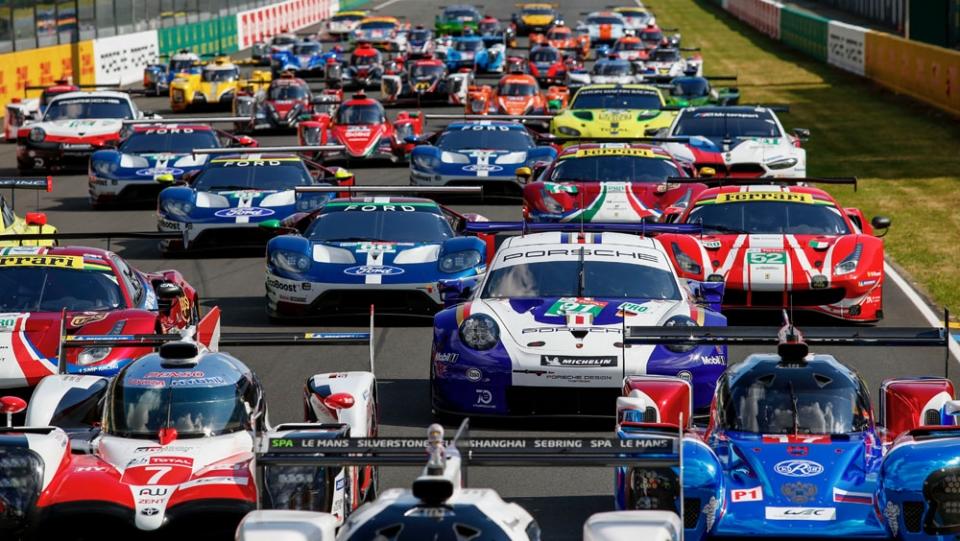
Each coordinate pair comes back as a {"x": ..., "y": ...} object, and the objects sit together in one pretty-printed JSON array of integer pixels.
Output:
[
  {"x": 680, "y": 321},
  {"x": 477, "y": 106},
  {"x": 37, "y": 135},
  {"x": 460, "y": 261},
  {"x": 480, "y": 332},
  {"x": 549, "y": 203},
  {"x": 849, "y": 263},
  {"x": 105, "y": 168},
  {"x": 290, "y": 261},
  {"x": 687, "y": 263},
  {"x": 177, "y": 207},
  {"x": 424, "y": 161},
  {"x": 782, "y": 163},
  {"x": 570, "y": 132},
  {"x": 96, "y": 354}
]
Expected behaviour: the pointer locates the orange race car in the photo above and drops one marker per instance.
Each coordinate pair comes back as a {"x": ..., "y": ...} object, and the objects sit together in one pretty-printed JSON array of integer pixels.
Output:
[
  {"x": 516, "y": 94},
  {"x": 564, "y": 38},
  {"x": 630, "y": 48}
]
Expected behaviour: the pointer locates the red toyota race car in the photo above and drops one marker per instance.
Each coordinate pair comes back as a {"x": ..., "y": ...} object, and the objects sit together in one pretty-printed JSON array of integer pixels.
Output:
[
  {"x": 362, "y": 127},
  {"x": 779, "y": 246},
  {"x": 549, "y": 65},
  {"x": 607, "y": 182},
  {"x": 516, "y": 94},
  {"x": 81, "y": 291},
  {"x": 565, "y": 39},
  {"x": 280, "y": 106}
]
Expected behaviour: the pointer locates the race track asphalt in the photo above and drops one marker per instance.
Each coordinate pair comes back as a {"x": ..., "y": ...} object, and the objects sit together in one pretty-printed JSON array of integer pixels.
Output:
[{"x": 561, "y": 499}]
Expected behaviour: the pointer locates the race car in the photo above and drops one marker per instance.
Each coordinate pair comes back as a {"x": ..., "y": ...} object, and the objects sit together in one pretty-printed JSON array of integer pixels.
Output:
[
  {"x": 485, "y": 153},
  {"x": 20, "y": 111},
  {"x": 361, "y": 126},
  {"x": 548, "y": 65},
  {"x": 472, "y": 53},
  {"x": 777, "y": 246},
  {"x": 168, "y": 444},
  {"x": 305, "y": 58},
  {"x": 608, "y": 182},
  {"x": 535, "y": 17},
  {"x": 636, "y": 18},
  {"x": 74, "y": 125},
  {"x": 564, "y": 39},
  {"x": 215, "y": 86},
  {"x": 280, "y": 106},
  {"x": 693, "y": 91},
  {"x": 610, "y": 70},
  {"x": 602, "y": 27},
  {"x": 793, "y": 447},
  {"x": 343, "y": 23},
  {"x": 739, "y": 141},
  {"x": 352, "y": 252},
  {"x": 493, "y": 31},
  {"x": 516, "y": 94},
  {"x": 364, "y": 69},
  {"x": 666, "y": 63},
  {"x": 423, "y": 80},
  {"x": 157, "y": 77},
  {"x": 653, "y": 37},
  {"x": 630, "y": 48},
  {"x": 420, "y": 43},
  {"x": 73, "y": 290},
  {"x": 152, "y": 154},
  {"x": 33, "y": 223},
  {"x": 224, "y": 203},
  {"x": 613, "y": 111},
  {"x": 456, "y": 19},
  {"x": 262, "y": 51},
  {"x": 541, "y": 333},
  {"x": 384, "y": 33}
]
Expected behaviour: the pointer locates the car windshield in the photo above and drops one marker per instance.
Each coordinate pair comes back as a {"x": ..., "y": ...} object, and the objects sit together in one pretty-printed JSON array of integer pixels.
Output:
[
  {"x": 140, "y": 407},
  {"x": 488, "y": 26},
  {"x": 353, "y": 115},
  {"x": 720, "y": 125},
  {"x": 665, "y": 55},
  {"x": 545, "y": 55},
  {"x": 168, "y": 140},
  {"x": 693, "y": 87},
  {"x": 181, "y": 65},
  {"x": 284, "y": 40},
  {"x": 463, "y": 14},
  {"x": 481, "y": 137},
  {"x": 517, "y": 89},
  {"x": 628, "y": 46},
  {"x": 385, "y": 222},
  {"x": 288, "y": 92},
  {"x": 614, "y": 169},
  {"x": 25, "y": 286},
  {"x": 81, "y": 109},
  {"x": 604, "y": 20},
  {"x": 364, "y": 59},
  {"x": 468, "y": 45},
  {"x": 599, "y": 279},
  {"x": 559, "y": 34},
  {"x": 651, "y": 36},
  {"x": 348, "y": 17},
  {"x": 214, "y": 75},
  {"x": 230, "y": 174},
  {"x": 801, "y": 401},
  {"x": 770, "y": 217},
  {"x": 427, "y": 70},
  {"x": 616, "y": 99},
  {"x": 419, "y": 35},
  {"x": 307, "y": 48},
  {"x": 612, "y": 68},
  {"x": 538, "y": 11},
  {"x": 377, "y": 25},
  {"x": 637, "y": 17}
]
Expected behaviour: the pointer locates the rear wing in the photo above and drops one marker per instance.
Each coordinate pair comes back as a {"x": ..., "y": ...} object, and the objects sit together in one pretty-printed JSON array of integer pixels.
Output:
[
  {"x": 398, "y": 190},
  {"x": 264, "y": 150},
  {"x": 736, "y": 181},
  {"x": 641, "y": 228},
  {"x": 190, "y": 120},
  {"x": 26, "y": 183},
  {"x": 487, "y": 117},
  {"x": 107, "y": 235}
]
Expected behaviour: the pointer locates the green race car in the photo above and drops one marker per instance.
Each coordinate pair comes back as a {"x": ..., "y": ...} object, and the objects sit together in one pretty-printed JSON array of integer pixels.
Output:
[
  {"x": 693, "y": 91},
  {"x": 455, "y": 19},
  {"x": 613, "y": 111}
]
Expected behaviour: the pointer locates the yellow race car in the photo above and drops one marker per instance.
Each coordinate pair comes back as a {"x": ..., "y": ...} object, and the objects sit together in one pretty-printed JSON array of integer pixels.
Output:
[
  {"x": 535, "y": 17},
  {"x": 613, "y": 111},
  {"x": 216, "y": 84},
  {"x": 34, "y": 223}
]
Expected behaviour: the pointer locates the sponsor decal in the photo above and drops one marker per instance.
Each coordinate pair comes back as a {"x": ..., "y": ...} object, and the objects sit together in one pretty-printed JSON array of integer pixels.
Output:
[
  {"x": 474, "y": 374},
  {"x": 713, "y": 360},
  {"x": 786, "y": 197},
  {"x": 766, "y": 258},
  {"x": 244, "y": 212},
  {"x": 615, "y": 151},
  {"x": 818, "y": 244},
  {"x": 599, "y": 361},
  {"x": 446, "y": 357},
  {"x": 484, "y": 398},
  {"x": 154, "y": 491},
  {"x": 149, "y": 511},
  {"x": 87, "y": 318},
  {"x": 631, "y": 308},
  {"x": 576, "y": 306},
  {"x": 87, "y": 469},
  {"x": 478, "y": 167},
  {"x": 712, "y": 244},
  {"x": 798, "y": 468},
  {"x": 754, "y": 494},
  {"x": 176, "y": 374},
  {"x": 603, "y": 330},
  {"x": 274, "y": 283},
  {"x": 799, "y": 492},
  {"x": 597, "y": 252},
  {"x": 801, "y": 513},
  {"x": 233, "y": 162},
  {"x": 373, "y": 270},
  {"x": 153, "y": 171},
  {"x": 62, "y": 261},
  {"x": 215, "y": 380},
  {"x": 373, "y": 207},
  {"x": 379, "y": 247}
]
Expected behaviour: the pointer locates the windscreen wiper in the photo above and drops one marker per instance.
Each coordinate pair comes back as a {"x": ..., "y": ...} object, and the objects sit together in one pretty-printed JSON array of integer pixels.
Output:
[{"x": 796, "y": 410}]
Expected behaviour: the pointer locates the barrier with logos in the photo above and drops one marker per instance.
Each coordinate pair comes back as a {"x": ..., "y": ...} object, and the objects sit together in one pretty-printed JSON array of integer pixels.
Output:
[
  {"x": 259, "y": 24},
  {"x": 44, "y": 66}
]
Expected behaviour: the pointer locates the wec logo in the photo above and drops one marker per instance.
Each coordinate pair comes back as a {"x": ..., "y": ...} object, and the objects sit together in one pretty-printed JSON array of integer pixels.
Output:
[{"x": 798, "y": 468}]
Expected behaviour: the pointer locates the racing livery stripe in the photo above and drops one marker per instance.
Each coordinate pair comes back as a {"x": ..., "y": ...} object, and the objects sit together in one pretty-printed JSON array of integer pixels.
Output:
[{"x": 463, "y": 312}]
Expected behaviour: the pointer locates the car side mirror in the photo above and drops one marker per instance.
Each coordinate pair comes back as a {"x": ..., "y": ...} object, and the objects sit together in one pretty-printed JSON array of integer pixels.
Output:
[
  {"x": 880, "y": 222},
  {"x": 802, "y": 133},
  {"x": 710, "y": 294},
  {"x": 651, "y": 132},
  {"x": 168, "y": 291},
  {"x": 276, "y": 226},
  {"x": 165, "y": 179},
  {"x": 524, "y": 174},
  {"x": 707, "y": 172},
  {"x": 454, "y": 292},
  {"x": 36, "y": 218},
  {"x": 246, "y": 141}
]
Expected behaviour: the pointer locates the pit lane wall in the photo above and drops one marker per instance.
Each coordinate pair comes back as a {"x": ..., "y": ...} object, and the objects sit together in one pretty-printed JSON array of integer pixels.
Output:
[
  {"x": 925, "y": 72},
  {"x": 121, "y": 59}
]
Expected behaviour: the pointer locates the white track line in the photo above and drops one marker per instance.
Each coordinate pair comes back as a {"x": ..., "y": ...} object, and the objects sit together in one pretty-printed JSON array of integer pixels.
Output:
[
  {"x": 378, "y": 7},
  {"x": 921, "y": 305}
]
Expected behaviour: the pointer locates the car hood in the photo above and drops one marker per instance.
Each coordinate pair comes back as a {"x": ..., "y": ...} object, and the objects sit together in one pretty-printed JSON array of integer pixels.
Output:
[
  {"x": 81, "y": 128},
  {"x": 360, "y": 140},
  {"x": 610, "y": 201}
]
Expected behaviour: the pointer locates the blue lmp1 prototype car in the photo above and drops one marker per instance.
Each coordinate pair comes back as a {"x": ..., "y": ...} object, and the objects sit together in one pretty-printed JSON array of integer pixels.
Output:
[
  {"x": 542, "y": 332},
  {"x": 793, "y": 448},
  {"x": 476, "y": 153},
  {"x": 357, "y": 251},
  {"x": 472, "y": 52},
  {"x": 157, "y": 77},
  {"x": 304, "y": 58},
  {"x": 223, "y": 205}
]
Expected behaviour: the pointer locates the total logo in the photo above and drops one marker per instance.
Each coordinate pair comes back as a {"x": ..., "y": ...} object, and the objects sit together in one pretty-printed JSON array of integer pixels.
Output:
[
  {"x": 244, "y": 212},
  {"x": 798, "y": 468}
]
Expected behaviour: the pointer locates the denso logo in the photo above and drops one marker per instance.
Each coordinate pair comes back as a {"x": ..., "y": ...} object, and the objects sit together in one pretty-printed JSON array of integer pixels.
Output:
[
  {"x": 798, "y": 468},
  {"x": 244, "y": 212},
  {"x": 368, "y": 270}
]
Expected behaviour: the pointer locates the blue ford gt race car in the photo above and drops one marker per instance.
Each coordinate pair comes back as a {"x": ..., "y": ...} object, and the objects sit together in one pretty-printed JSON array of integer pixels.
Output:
[
  {"x": 793, "y": 448},
  {"x": 542, "y": 332},
  {"x": 224, "y": 203},
  {"x": 472, "y": 52},
  {"x": 476, "y": 153},
  {"x": 304, "y": 58},
  {"x": 356, "y": 251}
]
